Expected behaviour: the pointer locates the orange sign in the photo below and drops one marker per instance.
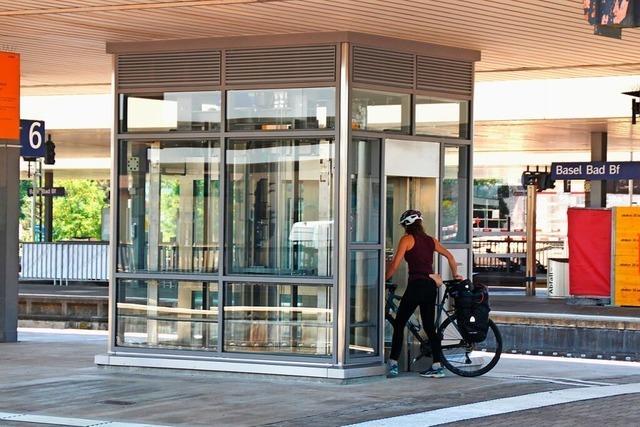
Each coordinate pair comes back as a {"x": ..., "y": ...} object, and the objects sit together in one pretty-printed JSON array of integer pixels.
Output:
[
  {"x": 627, "y": 256},
  {"x": 9, "y": 95}
]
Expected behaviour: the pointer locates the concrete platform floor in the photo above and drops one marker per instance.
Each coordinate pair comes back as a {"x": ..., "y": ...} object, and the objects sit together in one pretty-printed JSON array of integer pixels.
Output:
[{"x": 52, "y": 373}]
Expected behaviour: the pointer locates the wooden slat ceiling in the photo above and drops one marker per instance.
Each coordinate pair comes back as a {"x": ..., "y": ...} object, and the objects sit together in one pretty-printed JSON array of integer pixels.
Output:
[
  {"x": 554, "y": 135},
  {"x": 63, "y": 42}
]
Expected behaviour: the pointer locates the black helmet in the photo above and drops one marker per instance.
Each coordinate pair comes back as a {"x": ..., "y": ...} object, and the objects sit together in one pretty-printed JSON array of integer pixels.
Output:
[{"x": 410, "y": 216}]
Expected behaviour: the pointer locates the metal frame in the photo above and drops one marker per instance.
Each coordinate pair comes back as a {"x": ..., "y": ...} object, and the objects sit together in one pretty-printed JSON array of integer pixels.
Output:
[
  {"x": 221, "y": 277},
  {"x": 273, "y": 40},
  {"x": 342, "y": 136},
  {"x": 366, "y": 246},
  {"x": 114, "y": 217}
]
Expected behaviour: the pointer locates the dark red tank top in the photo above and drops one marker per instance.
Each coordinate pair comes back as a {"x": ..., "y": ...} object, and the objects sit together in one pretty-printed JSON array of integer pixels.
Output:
[{"x": 420, "y": 257}]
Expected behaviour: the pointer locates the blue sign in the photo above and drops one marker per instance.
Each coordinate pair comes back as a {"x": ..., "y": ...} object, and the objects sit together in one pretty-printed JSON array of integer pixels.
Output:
[
  {"x": 595, "y": 170},
  {"x": 32, "y": 138}
]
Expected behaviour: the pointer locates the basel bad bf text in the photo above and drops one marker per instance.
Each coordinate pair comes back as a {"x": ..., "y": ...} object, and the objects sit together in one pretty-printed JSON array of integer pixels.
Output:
[{"x": 595, "y": 170}]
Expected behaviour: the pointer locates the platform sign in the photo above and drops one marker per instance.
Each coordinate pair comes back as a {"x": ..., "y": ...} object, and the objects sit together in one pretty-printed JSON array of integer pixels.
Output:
[
  {"x": 626, "y": 259},
  {"x": 9, "y": 95},
  {"x": 32, "y": 134},
  {"x": 52, "y": 192},
  {"x": 597, "y": 171}
]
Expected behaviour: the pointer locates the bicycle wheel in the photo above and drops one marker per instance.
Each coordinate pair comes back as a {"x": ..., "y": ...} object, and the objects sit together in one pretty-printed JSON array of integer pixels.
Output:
[{"x": 465, "y": 359}]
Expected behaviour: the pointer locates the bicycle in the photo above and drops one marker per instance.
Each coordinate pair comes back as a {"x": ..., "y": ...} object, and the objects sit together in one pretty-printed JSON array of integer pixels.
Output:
[{"x": 458, "y": 356}]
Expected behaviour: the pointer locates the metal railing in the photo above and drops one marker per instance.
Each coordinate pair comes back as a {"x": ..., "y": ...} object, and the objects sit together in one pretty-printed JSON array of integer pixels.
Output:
[
  {"x": 510, "y": 255},
  {"x": 195, "y": 258},
  {"x": 62, "y": 262}
]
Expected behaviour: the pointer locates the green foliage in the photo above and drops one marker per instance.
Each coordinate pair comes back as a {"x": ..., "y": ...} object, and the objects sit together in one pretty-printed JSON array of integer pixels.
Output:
[
  {"x": 24, "y": 197},
  {"x": 25, "y": 212},
  {"x": 79, "y": 213},
  {"x": 169, "y": 208}
]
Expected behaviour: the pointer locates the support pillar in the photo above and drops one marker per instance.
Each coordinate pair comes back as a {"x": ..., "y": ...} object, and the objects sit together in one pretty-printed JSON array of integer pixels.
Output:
[
  {"x": 530, "y": 279},
  {"x": 48, "y": 207},
  {"x": 598, "y": 194},
  {"x": 9, "y": 202}
]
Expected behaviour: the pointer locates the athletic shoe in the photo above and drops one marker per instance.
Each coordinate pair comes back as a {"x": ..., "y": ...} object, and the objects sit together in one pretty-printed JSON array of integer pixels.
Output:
[
  {"x": 393, "y": 371},
  {"x": 433, "y": 373}
]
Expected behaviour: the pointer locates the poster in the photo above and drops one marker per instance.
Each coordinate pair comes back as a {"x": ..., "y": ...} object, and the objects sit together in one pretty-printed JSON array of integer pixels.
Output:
[
  {"x": 626, "y": 256},
  {"x": 9, "y": 95}
]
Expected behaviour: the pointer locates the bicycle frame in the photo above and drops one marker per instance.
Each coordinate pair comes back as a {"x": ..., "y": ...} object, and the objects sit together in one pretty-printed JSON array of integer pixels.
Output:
[
  {"x": 391, "y": 306},
  {"x": 413, "y": 325}
]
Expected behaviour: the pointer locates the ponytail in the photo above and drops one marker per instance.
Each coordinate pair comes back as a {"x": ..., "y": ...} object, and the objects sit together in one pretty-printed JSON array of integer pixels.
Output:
[{"x": 415, "y": 229}]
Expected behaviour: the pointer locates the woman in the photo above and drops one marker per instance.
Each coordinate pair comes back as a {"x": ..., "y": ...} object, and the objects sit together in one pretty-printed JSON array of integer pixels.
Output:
[{"x": 417, "y": 248}]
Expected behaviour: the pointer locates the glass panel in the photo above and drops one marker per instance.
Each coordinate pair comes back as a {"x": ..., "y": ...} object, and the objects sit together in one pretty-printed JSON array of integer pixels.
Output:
[
  {"x": 380, "y": 111},
  {"x": 441, "y": 117},
  {"x": 280, "y": 199},
  {"x": 169, "y": 206},
  {"x": 455, "y": 214},
  {"x": 272, "y": 318},
  {"x": 167, "y": 314},
  {"x": 364, "y": 285},
  {"x": 281, "y": 109},
  {"x": 365, "y": 173},
  {"x": 170, "y": 112}
]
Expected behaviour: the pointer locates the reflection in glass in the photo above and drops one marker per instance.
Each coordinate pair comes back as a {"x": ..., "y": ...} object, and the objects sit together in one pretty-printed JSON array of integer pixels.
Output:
[
  {"x": 441, "y": 117},
  {"x": 281, "y": 109},
  {"x": 272, "y": 318},
  {"x": 169, "y": 206},
  {"x": 380, "y": 111},
  {"x": 170, "y": 112},
  {"x": 364, "y": 284},
  {"x": 280, "y": 206},
  {"x": 167, "y": 314},
  {"x": 454, "y": 195},
  {"x": 365, "y": 174}
]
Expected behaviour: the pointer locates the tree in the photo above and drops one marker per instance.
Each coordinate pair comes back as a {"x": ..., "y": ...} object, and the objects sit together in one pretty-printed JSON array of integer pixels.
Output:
[
  {"x": 79, "y": 213},
  {"x": 25, "y": 231}
]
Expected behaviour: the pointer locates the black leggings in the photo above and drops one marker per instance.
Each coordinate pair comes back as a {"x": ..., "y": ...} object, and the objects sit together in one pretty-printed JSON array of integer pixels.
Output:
[{"x": 423, "y": 293}]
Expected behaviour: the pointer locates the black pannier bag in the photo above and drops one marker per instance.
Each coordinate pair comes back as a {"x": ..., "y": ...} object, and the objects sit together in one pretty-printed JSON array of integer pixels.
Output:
[{"x": 472, "y": 310}]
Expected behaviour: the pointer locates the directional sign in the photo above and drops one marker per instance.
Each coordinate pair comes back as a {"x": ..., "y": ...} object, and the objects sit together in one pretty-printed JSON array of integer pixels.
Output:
[
  {"x": 53, "y": 192},
  {"x": 596, "y": 170},
  {"x": 32, "y": 139}
]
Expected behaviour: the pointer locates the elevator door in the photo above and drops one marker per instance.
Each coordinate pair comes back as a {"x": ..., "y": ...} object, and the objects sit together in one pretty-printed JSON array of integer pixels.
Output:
[
  {"x": 408, "y": 193},
  {"x": 412, "y": 181}
]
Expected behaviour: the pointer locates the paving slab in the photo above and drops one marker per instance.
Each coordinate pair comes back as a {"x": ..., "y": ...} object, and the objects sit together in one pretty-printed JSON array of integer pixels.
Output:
[
  {"x": 618, "y": 411},
  {"x": 54, "y": 375}
]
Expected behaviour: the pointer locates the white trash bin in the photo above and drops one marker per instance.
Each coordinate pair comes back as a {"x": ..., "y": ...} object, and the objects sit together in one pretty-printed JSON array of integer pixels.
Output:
[{"x": 558, "y": 278}]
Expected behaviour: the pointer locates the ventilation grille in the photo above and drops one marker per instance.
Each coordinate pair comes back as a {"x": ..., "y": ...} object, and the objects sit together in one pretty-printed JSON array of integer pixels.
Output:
[
  {"x": 281, "y": 65},
  {"x": 168, "y": 69},
  {"x": 445, "y": 75},
  {"x": 384, "y": 67}
]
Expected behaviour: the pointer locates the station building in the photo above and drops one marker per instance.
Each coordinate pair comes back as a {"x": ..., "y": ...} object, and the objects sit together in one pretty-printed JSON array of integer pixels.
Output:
[{"x": 256, "y": 176}]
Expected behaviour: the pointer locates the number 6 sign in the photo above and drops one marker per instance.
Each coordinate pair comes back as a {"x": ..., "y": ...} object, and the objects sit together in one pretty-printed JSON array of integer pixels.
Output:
[{"x": 31, "y": 139}]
